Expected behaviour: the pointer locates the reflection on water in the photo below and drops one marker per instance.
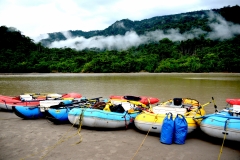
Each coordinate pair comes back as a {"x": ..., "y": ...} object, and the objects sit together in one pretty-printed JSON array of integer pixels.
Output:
[{"x": 164, "y": 86}]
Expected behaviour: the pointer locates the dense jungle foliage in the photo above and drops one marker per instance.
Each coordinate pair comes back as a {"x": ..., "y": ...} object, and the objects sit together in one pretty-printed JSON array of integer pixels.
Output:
[{"x": 19, "y": 54}]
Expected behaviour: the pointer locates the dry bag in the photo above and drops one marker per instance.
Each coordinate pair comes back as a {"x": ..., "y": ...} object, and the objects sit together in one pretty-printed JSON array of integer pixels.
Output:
[
  {"x": 167, "y": 129},
  {"x": 181, "y": 129}
]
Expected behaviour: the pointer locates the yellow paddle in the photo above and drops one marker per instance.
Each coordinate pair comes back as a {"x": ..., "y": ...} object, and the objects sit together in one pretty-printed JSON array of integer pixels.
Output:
[
  {"x": 150, "y": 106},
  {"x": 198, "y": 108}
]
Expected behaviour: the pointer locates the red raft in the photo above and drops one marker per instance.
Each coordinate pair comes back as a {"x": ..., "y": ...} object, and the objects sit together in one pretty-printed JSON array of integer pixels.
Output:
[
  {"x": 142, "y": 99},
  {"x": 7, "y": 102},
  {"x": 233, "y": 101}
]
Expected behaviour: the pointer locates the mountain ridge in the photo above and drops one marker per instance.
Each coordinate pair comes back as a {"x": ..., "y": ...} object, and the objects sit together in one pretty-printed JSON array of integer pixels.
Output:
[{"x": 182, "y": 21}]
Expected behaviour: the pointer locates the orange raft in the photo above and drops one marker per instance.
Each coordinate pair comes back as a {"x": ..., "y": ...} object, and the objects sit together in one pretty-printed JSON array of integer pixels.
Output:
[
  {"x": 143, "y": 99},
  {"x": 32, "y": 99}
]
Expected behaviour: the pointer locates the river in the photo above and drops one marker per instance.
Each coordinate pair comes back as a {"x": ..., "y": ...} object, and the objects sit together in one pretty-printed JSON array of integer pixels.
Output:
[{"x": 199, "y": 86}]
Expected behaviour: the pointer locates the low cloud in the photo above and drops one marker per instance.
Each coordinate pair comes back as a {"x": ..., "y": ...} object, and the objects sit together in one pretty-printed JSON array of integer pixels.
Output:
[
  {"x": 221, "y": 29},
  {"x": 118, "y": 42},
  {"x": 40, "y": 37}
]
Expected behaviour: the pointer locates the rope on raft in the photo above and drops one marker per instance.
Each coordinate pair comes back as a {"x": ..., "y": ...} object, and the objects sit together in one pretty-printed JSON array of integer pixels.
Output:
[
  {"x": 156, "y": 118},
  {"x": 61, "y": 140},
  {"x": 225, "y": 134}
]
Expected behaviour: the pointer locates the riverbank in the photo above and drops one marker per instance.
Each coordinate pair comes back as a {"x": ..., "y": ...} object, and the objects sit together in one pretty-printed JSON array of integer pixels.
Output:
[{"x": 41, "y": 139}]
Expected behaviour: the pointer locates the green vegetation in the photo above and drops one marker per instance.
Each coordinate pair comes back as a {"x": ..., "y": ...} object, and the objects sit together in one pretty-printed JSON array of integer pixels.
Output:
[{"x": 19, "y": 54}]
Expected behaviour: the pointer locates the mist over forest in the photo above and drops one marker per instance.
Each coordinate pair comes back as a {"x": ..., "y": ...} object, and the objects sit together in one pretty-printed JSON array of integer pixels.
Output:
[
  {"x": 220, "y": 30},
  {"x": 199, "y": 41}
]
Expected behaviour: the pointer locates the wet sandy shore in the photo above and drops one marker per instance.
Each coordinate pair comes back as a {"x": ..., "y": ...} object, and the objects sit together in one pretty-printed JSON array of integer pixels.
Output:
[{"x": 41, "y": 139}]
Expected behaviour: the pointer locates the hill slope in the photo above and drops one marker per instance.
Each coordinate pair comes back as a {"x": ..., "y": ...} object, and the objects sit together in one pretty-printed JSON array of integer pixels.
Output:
[
  {"x": 206, "y": 43},
  {"x": 183, "y": 22}
]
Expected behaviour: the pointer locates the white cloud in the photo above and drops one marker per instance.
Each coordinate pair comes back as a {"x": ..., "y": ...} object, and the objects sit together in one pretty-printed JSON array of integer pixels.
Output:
[
  {"x": 40, "y": 37},
  {"x": 221, "y": 29},
  {"x": 110, "y": 42}
]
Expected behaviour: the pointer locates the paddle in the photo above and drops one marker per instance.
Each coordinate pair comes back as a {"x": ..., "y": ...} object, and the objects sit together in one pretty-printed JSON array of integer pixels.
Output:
[
  {"x": 215, "y": 106},
  {"x": 81, "y": 101},
  {"x": 37, "y": 94},
  {"x": 202, "y": 106},
  {"x": 149, "y": 104},
  {"x": 198, "y": 108},
  {"x": 87, "y": 100}
]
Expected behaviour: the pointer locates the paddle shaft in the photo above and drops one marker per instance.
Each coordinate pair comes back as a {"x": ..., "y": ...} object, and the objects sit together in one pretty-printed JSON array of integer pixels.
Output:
[
  {"x": 215, "y": 106},
  {"x": 196, "y": 110},
  {"x": 81, "y": 101}
]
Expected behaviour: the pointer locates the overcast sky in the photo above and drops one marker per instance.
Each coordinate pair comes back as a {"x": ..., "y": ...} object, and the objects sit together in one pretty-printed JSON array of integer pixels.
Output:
[{"x": 35, "y": 17}]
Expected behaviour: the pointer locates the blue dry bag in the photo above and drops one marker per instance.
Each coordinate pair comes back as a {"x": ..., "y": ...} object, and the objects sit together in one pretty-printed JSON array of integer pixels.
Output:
[
  {"x": 167, "y": 129},
  {"x": 181, "y": 129}
]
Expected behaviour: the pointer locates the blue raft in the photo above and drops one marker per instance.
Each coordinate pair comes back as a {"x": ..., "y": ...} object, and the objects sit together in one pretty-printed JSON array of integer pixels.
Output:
[
  {"x": 28, "y": 112},
  {"x": 222, "y": 124},
  {"x": 59, "y": 113},
  {"x": 100, "y": 118}
]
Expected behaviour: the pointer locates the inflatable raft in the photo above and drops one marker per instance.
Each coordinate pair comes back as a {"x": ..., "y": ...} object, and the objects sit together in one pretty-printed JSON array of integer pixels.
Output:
[
  {"x": 59, "y": 113},
  {"x": 143, "y": 99},
  {"x": 223, "y": 124},
  {"x": 7, "y": 102},
  {"x": 33, "y": 99},
  {"x": 233, "y": 101},
  {"x": 181, "y": 103},
  {"x": 152, "y": 120},
  {"x": 34, "y": 112},
  {"x": 100, "y": 118},
  {"x": 38, "y": 111}
]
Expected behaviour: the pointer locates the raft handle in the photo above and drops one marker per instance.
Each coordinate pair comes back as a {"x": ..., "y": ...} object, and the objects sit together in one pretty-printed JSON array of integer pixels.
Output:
[{"x": 225, "y": 133}]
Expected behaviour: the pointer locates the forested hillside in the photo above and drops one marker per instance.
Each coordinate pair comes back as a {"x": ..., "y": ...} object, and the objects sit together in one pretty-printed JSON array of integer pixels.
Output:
[
  {"x": 183, "y": 21},
  {"x": 206, "y": 52}
]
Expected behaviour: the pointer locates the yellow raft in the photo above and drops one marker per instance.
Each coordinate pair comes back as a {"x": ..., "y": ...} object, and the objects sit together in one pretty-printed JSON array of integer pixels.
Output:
[
  {"x": 126, "y": 104},
  {"x": 181, "y": 102},
  {"x": 151, "y": 120}
]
